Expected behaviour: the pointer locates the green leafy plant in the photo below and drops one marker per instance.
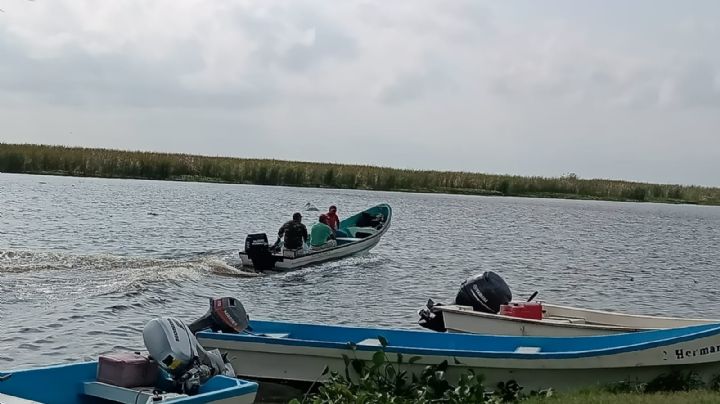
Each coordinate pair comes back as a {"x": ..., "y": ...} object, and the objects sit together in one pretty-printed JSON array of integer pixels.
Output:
[
  {"x": 675, "y": 381},
  {"x": 667, "y": 382},
  {"x": 714, "y": 384},
  {"x": 381, "y": 380}
]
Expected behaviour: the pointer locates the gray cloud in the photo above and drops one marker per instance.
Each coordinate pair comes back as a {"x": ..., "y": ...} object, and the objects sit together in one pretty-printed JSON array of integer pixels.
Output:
[
  {"x": 324, "y": 40},
  {"x": 328, "y": 43},
  {"x": 695, "y": 85},
  {"x": 78, "y": 78},
  {"x": 602, "y": 88},
  {"x": 409, "y": 87}
]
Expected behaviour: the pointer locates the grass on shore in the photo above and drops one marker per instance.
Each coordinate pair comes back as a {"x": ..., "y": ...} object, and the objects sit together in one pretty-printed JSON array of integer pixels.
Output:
[
  {"x": 104, "y": 163},
  {"x": 604, "y": 397}
]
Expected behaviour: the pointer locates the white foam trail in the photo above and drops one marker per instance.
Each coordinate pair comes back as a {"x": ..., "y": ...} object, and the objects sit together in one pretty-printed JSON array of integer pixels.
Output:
[{"x": 219, "y": 267}]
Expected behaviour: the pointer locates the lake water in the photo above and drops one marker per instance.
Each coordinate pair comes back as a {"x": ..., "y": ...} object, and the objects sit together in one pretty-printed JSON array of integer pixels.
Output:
[{"x": 85, "y": 263}]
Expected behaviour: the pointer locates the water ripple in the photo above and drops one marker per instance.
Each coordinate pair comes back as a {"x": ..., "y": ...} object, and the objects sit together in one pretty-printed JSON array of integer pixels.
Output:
[{"x": 83, "y": 271}]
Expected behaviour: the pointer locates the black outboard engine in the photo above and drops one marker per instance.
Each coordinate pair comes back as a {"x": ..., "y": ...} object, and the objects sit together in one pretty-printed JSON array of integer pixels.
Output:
[
  {"x": 226, "y": 314},
  {"x": 431, "y": 317},
  {"x": 486, "y": 293},
  {"x": 258, "y": 250}
]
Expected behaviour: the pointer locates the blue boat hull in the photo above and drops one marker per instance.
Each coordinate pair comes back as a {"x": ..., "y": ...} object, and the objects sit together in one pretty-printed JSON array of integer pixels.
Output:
[
  {"x": 300, "y": 352},
  {"x": 72, "y": 383}
]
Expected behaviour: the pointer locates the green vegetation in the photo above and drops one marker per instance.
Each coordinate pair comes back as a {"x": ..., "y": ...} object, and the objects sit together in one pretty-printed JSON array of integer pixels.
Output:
[
  {"x": 601, "y": 397},
  {"x": 676, "y": 387},
  {"x": 59, "y": 160},
  {"x": 382, "y": 381}
]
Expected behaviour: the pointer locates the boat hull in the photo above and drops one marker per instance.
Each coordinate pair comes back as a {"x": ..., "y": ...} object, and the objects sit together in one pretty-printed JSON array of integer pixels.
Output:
[
  {"x": 329, "y": 254},
  {"x": 558, "y": 321},
  {"x": 76, "y": 382},
  {"x": 346, "y": 247},
  {"x": 589, "y": 362}
]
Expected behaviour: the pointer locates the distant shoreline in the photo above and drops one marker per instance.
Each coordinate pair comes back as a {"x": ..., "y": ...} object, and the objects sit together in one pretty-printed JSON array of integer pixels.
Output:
[{"x": 105, "y": 163}]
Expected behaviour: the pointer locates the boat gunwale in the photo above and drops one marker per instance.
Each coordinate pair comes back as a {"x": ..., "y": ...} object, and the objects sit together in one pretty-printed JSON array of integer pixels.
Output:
[
  {"x": 461, "y": 310},
  {"x": 704, "y": 331}
]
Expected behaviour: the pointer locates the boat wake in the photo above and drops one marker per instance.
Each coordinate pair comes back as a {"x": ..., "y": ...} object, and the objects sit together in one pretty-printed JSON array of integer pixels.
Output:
[
  {"x": 220, "y": 267},
  {"x": 104, "y": 274}
]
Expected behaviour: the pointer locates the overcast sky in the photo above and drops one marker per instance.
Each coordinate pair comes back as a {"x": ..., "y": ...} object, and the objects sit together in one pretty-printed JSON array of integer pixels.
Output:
[{"x": 604, "y": 89}]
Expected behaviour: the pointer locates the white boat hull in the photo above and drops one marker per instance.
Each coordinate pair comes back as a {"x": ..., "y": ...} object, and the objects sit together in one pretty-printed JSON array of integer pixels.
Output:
[
  {"x": 317, "y": 257},
  {"x": 305, "y": 360},
  {"x": 558, "y": 321},
  {"x": 345, "y": 247}
]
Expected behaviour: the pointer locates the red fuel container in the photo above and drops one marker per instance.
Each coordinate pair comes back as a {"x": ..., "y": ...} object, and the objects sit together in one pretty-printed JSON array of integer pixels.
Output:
[{"x": 529, "y": 310}]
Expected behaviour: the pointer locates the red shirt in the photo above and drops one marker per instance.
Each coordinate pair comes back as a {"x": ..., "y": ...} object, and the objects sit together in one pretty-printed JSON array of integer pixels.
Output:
[{"x": 332, "y": 220}]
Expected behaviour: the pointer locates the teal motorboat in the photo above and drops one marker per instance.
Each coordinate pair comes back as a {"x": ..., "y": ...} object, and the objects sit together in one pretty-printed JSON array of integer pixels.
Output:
[{"x": 356, "y": 234}]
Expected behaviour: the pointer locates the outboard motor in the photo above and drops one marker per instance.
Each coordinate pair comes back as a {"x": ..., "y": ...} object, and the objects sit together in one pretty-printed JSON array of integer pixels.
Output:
[
  {"x": 170, "y": 342},
  {"x": 258, "y": 250},
  {"x": 486, "y": 293},
  {"x": 431, "y": 317},
  {"x": 226, "y": 314}
]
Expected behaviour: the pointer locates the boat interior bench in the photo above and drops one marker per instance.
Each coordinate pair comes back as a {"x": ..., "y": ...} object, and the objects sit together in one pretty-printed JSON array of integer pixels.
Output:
[
  {"x": 564, "y": 320},
  {"x": 8, "y": 399},
  {"x": 527, "y": 349},
  {"x": 370, "y": 342},
  {"x": 275, "y": 334},
  {"x": 123, "y": 394},
  {"x": 359, "y": 232},
  {"x": 346, "y": 240}
]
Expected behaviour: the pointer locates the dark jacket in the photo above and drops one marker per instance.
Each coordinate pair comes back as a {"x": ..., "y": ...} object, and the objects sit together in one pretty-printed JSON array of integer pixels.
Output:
[{"x": 295, "y": 234}]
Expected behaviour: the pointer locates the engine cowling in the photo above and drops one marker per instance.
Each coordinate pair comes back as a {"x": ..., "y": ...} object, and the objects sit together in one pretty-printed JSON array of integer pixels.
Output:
[
  {"x": 226, "y": 314},
  {"x": 171, "y": 343},
  {"x": 486, "y": 293}
]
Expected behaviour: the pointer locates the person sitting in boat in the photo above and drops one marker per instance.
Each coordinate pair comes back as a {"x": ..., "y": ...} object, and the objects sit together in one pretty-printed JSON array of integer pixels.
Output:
[
  {"x": 332, "y": 218},
  {"x": 295, "y": 234},
  {"x": 321, "y": 235}
]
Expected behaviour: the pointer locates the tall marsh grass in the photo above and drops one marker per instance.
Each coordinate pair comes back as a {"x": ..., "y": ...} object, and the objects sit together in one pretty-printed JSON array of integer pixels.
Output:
[{"x": 85, "y": 162}]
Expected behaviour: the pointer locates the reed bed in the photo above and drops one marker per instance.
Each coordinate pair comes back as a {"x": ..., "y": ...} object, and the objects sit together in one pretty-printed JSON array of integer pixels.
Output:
[{"x": 105, "y": 163}]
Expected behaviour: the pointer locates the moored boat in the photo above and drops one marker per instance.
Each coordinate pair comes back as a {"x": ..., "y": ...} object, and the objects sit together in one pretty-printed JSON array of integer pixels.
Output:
[
  {"x": 183, "y": 372},
  {"x": 299, "y": 352},
  {"x": 356, "y": 234},
  {"x": 483, "y": 305},
  {"x": 77, "y": 383},
  {"x": 557, "y": 321}
]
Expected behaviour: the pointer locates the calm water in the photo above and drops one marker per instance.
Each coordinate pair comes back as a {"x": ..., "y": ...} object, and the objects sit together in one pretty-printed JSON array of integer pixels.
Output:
[{"x": 84, "y": 263}]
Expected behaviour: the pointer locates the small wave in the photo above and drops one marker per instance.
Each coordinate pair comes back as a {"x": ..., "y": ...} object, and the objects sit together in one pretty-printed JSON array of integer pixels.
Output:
[
  {"x": 119, "y": 307},
  {"x": 49, "y": 339}
]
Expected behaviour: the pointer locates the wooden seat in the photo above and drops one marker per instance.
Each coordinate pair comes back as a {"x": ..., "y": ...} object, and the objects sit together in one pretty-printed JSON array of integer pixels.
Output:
[
  {"x": 564, "y": 320},
  {"x": 8, "y": 399},
  {"x": 366, "y": 230},
  {"x": 346, "y": 240},
  {"x": 527, "y": 349},
  {"x": 123, "y": 394},
  {"x": 276, "y": 335},
  {"x": 370, "y": 342}
]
